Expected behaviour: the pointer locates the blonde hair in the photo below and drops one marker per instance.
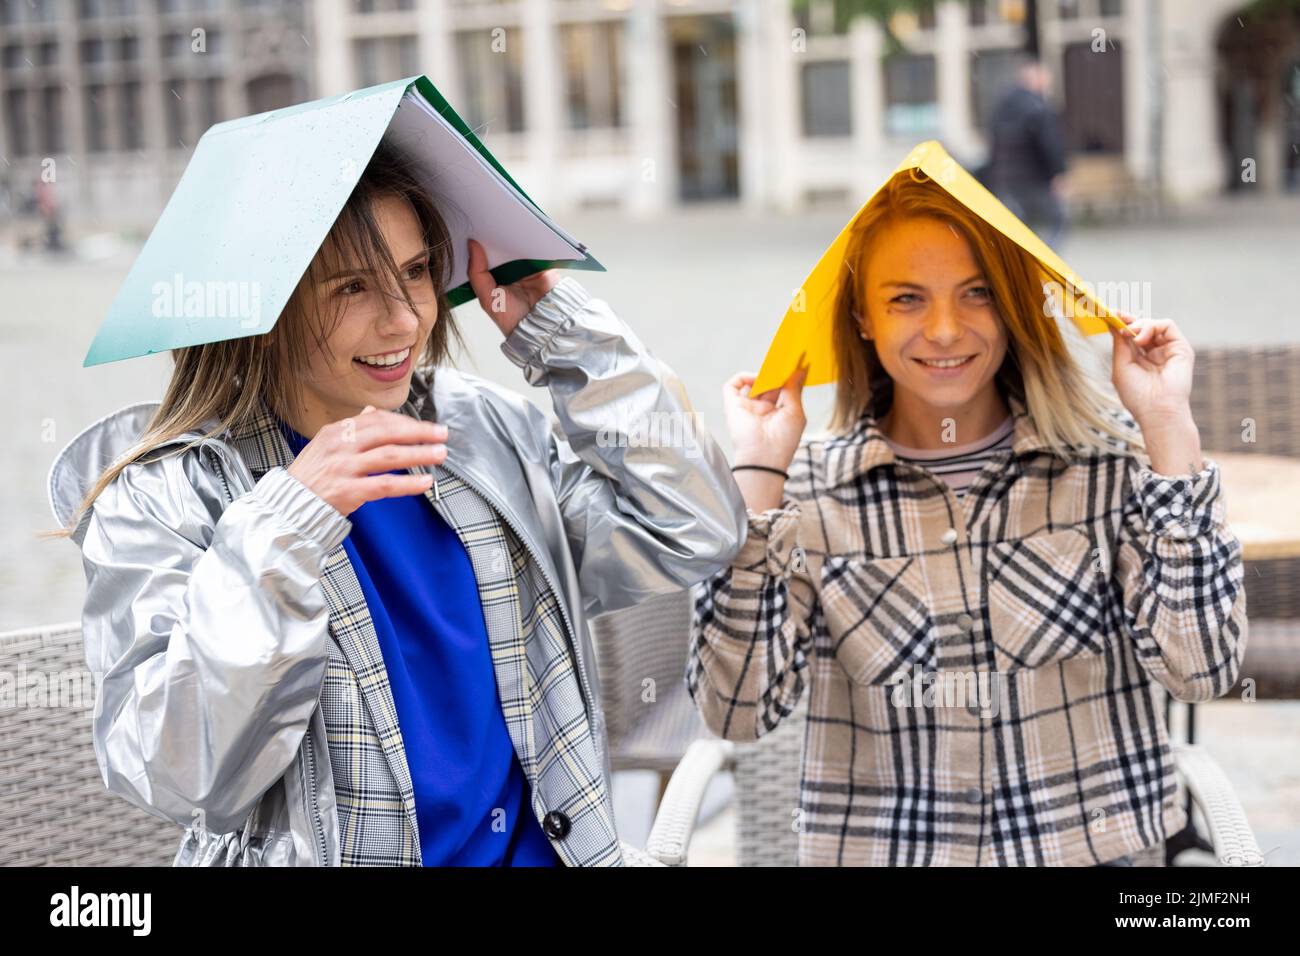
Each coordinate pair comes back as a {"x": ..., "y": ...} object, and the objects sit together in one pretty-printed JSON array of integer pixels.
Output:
[
  {"x": 1071, "y": 410},
  {"x": 232, "y": 380}
]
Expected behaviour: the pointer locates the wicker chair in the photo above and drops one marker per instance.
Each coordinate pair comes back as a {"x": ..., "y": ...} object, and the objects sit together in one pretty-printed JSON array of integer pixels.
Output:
[
  {"x": 767, "y": 794},
  {"x": 54, "y": 808},
  {"x": 1263, "y": 384},
  {"x": 638, "y": 649}
]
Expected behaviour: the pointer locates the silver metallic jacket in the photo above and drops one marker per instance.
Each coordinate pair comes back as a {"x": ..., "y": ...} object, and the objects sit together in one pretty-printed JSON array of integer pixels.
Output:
[{"x": 219, "y": 611}]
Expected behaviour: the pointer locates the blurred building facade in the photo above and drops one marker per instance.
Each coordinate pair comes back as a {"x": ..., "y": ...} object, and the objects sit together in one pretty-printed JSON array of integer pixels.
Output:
[
  {"x": 643, "y": 105},
  {"x": 117, "y": 92}
]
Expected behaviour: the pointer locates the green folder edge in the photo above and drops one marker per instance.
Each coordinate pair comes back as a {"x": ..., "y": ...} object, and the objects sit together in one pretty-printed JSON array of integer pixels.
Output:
[
  {"x": 504, "y": 274},
  {"x": 517, "y": 269}
]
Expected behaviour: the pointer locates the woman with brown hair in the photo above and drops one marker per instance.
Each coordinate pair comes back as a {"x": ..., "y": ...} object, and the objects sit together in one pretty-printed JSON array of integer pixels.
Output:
[
  {"x": 979, "y": 574},
  {"x": 338, "y": 590}
]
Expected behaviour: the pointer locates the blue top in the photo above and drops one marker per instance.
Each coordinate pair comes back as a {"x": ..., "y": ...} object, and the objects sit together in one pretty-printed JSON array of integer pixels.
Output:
[{"x": 472, "y": 799}]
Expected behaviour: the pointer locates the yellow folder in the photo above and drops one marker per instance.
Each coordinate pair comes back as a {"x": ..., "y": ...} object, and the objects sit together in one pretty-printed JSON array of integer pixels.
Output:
[{"x": 804, "y": 336}]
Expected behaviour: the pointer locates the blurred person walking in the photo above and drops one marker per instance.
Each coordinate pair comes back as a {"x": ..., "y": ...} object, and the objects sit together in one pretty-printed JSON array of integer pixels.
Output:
[
  {"x": 47, "y": 205},
  {"x": 1026, "y": 166}
]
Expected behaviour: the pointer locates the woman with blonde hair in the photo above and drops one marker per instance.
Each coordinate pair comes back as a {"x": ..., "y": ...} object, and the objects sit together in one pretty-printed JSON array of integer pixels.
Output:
[
  {"x": 983, "y": 522},
  {"x": 338, "y": 590}
]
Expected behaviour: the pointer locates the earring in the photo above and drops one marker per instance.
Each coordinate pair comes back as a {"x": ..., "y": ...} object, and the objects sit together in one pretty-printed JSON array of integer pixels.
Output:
[{"x": 858, "y": 319}]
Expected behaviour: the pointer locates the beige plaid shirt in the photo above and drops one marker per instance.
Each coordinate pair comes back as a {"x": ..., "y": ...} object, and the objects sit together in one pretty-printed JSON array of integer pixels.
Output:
[{"x": 981, "y": 669}]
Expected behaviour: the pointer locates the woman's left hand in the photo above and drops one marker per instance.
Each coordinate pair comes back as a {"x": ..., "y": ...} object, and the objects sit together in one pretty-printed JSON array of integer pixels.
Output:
[
  {"x": 506, "y": 305},
  {"x": 1152, "y": 373}
]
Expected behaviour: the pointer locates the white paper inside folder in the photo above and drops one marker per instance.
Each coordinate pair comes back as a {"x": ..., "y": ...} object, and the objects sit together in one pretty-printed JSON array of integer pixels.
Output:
[{"x": 475, "y": 200}]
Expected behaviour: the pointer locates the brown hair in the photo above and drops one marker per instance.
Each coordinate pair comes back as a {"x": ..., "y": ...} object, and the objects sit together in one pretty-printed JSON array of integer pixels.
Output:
[
  {"x": 230, "y": 381},
  {"x": 1070, "y": 409}
]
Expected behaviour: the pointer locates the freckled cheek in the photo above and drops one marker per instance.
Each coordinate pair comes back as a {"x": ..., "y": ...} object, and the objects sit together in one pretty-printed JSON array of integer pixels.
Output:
[
  {"x": 988, "y": 326},
  {"x": 999, "y": 339}
]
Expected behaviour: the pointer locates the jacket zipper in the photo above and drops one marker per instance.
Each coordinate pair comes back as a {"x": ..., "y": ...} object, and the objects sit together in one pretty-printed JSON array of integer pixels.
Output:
[
  {"x": 309, "y": 802},
  {"x": 221, "y": 473},
  {"x": 313, "y": 809}
]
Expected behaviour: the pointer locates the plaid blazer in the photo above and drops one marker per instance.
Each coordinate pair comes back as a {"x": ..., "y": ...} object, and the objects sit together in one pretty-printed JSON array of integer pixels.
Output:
[
  {"x": 980, "y": 670},
  {"x": 534, "y": 674}
]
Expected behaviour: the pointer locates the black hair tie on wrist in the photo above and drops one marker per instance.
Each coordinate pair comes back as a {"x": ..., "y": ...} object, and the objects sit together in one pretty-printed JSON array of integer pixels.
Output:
[{"x": 775, "y": 471}]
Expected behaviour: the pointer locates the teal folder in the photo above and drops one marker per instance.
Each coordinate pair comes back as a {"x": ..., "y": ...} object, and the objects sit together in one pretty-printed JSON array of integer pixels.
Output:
[{"x": 261, "y": 192}]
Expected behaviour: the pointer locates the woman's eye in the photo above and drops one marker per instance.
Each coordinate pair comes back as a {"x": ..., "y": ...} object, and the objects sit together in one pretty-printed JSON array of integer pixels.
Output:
[
  {"x": 352, "y": 288},
  {"x": 418, "y": 271},
  {"x": 981, "y": 292},
  {"x": 906, "y": 298}
]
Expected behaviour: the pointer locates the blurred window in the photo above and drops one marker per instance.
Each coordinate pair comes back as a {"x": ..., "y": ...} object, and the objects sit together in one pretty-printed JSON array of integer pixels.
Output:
[
  {"x": 92, "y": 51},
  {"x": 380, "y": 59},
  {"x": 1067, "y": 9},
  {"x": 491, "y": 79},
  {"x": 132, "y": 128},
  {"x": 96, "y": 123},
  {"x": 174, "y": 111},
  {"x": 16, "y": 122},
  {"x": 43, "y": 11},
  {"x": 175, "y": 45},
  {"x": 51, "y": 120},
  {"x": 592, "y": 74},
  {"x": 988, "y": 12},
  {"x": 911, "y": 103},
  {"x": 47, "y": 54},
  {"x": 1112, "y": 8},
  {"x": 817, "y": 18},
  {"x": 211, "y": 110},
  {"x": 271, "y": 91},
  {"x": 993, "y": 73},
  {"x": 827, "y": 102},
  {"x": 1094, "y": 98},
  {"x": 383, "y": 6}
]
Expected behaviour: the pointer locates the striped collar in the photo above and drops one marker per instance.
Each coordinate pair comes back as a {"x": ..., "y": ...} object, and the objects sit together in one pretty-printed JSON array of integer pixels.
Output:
[{"x": 852, "y": 455}]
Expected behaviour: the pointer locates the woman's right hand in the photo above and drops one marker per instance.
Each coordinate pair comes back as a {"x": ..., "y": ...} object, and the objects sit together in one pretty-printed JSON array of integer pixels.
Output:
[
  {"x": 765, "y": 430},
  {"x": 346, "y": 462}
]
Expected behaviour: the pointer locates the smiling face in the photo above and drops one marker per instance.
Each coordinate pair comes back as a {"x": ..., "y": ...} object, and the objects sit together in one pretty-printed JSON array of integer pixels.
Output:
[
  {"x": 931, "y": 314},
  {"x": 376, "y": 338}
]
